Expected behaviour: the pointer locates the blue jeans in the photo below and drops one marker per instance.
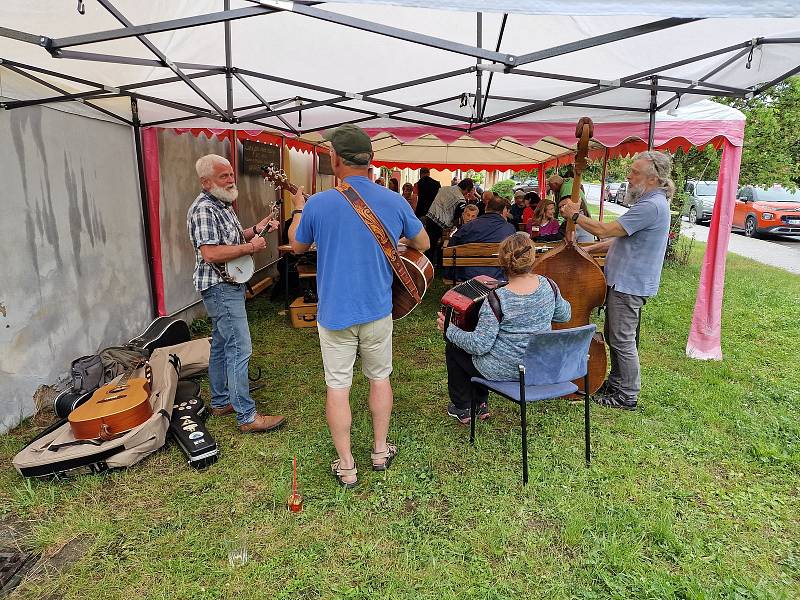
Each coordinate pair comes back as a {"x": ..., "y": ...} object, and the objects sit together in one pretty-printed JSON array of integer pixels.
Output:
[{"x": 230, "y": 350}]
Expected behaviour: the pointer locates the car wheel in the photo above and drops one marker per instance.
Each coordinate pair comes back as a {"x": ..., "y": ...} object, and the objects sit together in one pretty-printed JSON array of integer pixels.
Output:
[
  {"x": 692, "y": 215},
  {"x": 750, "y": 226}
]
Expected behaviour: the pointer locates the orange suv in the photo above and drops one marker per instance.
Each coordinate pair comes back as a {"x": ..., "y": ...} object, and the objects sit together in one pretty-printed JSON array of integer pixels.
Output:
[{"x": 771, "y": 210}]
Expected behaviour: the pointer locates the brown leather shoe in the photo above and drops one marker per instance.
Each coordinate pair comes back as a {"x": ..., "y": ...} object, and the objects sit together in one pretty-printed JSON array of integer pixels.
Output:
[
  {"x": 262, "y": 423},
  {"x": 223, "y": 410}
]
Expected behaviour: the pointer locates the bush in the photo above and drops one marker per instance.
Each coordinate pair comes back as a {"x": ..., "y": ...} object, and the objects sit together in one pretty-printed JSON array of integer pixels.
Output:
[{"x": 504, "y": 188}]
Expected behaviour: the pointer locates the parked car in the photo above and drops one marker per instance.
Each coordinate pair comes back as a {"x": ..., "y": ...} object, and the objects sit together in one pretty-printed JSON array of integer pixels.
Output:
[
  {"x": 532, "y": 185},
  {"x": 623, "y": 196},
  {"x": 767, "y": 210},
  {"x": 611, "y": 190},
  {"x": 700, "y": 204}
]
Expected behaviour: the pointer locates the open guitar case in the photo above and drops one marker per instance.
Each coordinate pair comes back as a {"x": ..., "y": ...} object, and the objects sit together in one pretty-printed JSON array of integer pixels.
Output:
[{"x": 56, "y": 452}]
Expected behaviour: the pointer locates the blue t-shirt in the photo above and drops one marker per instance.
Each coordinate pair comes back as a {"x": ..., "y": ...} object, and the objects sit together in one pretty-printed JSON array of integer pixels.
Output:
[
  {"x": 354, "y": 278},
  {"x": 633, "y": 263}
]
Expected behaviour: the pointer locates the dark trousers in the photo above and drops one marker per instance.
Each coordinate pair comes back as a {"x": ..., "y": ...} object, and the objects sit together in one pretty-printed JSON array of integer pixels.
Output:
[
  {"x": 623, "y": 316},
  {"x": 459, "y": 371},
  {"x": 435, "y": 235}
]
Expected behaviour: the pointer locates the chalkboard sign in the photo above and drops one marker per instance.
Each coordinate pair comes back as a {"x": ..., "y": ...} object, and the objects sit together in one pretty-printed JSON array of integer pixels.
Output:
[
  {"x": 255, "y": 155},
  {"x": 324, "y": 166}
]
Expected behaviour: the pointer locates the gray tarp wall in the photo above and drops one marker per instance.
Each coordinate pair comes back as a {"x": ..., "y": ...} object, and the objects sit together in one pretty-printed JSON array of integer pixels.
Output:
[
  {"x": 73, "y": 277},
  {"x": 177, "y": 153}
]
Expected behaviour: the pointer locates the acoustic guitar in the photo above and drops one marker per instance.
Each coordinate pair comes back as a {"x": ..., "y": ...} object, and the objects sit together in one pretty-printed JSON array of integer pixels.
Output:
[
  {"x": 419, "y": 267},
  {"x": 113, "y": 408}
]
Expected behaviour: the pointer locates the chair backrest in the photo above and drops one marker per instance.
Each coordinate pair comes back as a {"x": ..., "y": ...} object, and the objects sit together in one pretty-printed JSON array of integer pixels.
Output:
[
  {"x": 558, "y": 356},
  {"x": 477, "y": 254}
]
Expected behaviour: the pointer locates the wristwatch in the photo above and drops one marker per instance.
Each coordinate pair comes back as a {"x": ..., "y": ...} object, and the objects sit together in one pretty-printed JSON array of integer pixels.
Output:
[
  {"x": 297, "y": 212},
  {"x": 575, "y": 217}
]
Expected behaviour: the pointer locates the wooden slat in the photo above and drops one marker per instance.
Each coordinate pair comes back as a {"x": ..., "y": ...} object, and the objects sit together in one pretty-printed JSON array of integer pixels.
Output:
[{"x": 259, "y": 287}]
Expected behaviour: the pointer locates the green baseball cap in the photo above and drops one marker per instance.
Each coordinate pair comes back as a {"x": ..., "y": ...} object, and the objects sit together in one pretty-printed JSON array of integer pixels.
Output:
[{"x": 351, "y": 143}]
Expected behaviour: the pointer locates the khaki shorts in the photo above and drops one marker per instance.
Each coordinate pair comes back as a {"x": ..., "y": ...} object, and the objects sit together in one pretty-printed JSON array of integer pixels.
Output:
[{"x": 373, "y": 341}]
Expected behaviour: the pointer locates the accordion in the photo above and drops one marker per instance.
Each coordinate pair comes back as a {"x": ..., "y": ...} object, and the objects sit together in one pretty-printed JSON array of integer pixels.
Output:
[{"x": 461, "y": 304}]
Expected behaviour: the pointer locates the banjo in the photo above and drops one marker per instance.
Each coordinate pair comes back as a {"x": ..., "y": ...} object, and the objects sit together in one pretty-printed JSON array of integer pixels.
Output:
[{"x": 242, "y": 268}]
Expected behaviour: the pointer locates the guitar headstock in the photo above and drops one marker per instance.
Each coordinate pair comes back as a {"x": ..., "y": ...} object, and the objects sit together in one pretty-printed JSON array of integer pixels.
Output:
[{"x": 275, "y": 176}]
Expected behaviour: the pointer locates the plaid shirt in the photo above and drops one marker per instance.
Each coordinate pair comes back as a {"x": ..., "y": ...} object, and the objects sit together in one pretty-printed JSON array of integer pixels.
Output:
[{"x": 211, "y": 222}]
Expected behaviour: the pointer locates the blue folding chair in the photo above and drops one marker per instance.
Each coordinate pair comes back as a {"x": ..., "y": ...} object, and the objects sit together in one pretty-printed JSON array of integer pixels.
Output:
[{"x": 552, "y": 361}]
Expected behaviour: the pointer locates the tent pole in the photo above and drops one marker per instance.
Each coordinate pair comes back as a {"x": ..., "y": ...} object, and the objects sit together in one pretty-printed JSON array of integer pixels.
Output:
[
  {"x": 479, "y": 72},
  {"x": 148, "y": 234},
  {"x": 651, "y": 131},
  {"x": 228, "y": 73},
  {"x": 603, "y": 185}
]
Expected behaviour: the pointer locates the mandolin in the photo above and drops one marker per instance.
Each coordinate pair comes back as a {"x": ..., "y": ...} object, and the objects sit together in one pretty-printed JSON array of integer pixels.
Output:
[
  {"x": 417, "y": 264},
  {"x": 113, "y": 408}
]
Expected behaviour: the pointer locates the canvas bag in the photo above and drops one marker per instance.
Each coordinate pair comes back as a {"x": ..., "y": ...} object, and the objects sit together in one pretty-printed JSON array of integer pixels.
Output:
[
  {"x": 87, "y": 373},
  {"x": 118, "y": 359}
]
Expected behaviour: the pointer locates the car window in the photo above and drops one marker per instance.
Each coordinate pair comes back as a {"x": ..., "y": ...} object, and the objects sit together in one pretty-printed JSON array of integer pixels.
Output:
[
  {"x": 690, "y": 188},
  {"x": 778, "y": 194},
  {"x": 744, "y": 194},
  {"x": 706, "y": 189}
]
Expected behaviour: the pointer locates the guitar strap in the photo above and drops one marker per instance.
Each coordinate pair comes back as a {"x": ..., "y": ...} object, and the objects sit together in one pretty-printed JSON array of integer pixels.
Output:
[{"x": 383, "y": 238}]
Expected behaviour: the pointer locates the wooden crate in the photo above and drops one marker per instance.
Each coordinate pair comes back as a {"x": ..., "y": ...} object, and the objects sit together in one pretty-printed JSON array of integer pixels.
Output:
[{"x": 303, "y": 314}]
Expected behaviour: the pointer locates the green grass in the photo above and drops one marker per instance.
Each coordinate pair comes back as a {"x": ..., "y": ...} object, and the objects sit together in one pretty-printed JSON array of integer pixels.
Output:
[{"x": 693, "y": 496}]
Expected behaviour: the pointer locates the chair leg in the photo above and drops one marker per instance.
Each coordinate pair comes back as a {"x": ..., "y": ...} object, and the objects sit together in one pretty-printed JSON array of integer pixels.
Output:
[
  {"x": 524, "y": 422},
  {"x": 473, "y": 409},
  {"x": 586, "y": 428}
]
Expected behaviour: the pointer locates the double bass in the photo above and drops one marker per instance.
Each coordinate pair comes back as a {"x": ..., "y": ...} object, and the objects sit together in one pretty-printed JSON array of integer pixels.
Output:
[{"x": 578, "y": 275}]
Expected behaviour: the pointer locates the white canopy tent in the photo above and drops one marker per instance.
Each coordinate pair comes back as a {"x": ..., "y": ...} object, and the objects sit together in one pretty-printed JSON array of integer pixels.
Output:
[{"x": 421, "y": 76}]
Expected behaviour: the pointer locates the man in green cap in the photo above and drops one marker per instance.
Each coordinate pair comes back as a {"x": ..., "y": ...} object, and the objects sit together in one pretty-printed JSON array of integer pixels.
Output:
[{"x": 354, "y": 281}]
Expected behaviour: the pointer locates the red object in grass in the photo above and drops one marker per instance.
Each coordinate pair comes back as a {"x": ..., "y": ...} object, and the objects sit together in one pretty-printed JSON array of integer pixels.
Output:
[{"x": 295, "y": 500}]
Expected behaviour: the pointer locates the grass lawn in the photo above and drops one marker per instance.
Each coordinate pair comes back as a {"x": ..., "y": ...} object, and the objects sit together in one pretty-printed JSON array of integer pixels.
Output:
[{"x": 696, "y": 495}]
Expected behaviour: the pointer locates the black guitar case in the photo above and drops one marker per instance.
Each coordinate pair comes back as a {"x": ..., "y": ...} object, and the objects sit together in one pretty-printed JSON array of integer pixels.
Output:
[
  {"x": 187, "y": 426},
  {"x": 67, "y": 401},
  {"x": 164, "y": 331}
]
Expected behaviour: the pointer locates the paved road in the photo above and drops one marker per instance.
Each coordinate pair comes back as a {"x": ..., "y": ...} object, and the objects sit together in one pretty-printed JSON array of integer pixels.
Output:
[{"x": 777, "y": 251}]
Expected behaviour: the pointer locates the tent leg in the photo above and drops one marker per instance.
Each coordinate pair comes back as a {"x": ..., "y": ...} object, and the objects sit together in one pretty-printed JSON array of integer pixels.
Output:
[{"x": 603, "y": 185}]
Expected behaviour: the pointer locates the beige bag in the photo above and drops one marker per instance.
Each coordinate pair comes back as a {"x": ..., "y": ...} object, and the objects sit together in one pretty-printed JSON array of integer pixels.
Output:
[{"x": 57, "y": 452}]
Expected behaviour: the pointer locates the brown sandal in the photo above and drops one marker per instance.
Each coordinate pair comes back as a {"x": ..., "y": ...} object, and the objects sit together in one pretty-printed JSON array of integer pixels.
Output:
[
  {"x": 387, "y": 456},
  {"x": 338, "y": 472}
]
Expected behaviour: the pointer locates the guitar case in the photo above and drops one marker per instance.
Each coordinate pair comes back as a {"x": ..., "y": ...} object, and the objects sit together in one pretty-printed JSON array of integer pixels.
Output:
[
  {"x": 56, "y": 452},
  {"x": 187, "y": 426},
  {"x": 163, "y": 332},
  {"x": 69, "y": 400}
]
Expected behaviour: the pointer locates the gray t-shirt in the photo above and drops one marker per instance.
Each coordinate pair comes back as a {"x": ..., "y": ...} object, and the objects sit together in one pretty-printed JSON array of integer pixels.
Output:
[{"x": 633, "y": 263}]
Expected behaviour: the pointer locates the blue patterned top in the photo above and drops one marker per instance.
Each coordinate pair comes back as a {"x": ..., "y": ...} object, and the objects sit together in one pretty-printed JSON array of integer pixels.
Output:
[{"x": 497, "y": 348}]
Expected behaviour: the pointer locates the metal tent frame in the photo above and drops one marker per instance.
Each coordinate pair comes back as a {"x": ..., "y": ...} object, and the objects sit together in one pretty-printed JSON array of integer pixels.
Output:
[{"x": 653, "y": 80}]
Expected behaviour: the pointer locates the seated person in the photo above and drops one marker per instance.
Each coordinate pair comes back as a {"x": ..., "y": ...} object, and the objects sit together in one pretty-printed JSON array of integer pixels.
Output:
[
  {"x": 531, "y": 200},
  {"x": 489, "y": 227},
  {"x": 495, "y": 348},
  {"x": 517, "y": 208},
  {"x": 469, "y": 214},
  {"x": 544, "y": 227},
  {"x": 581, "y": 235}
]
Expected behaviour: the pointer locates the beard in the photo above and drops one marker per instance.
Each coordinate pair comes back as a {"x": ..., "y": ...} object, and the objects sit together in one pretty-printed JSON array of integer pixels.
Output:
[
  {"x": 227, "y": 194},
  {"x": 636, "y": 192}
]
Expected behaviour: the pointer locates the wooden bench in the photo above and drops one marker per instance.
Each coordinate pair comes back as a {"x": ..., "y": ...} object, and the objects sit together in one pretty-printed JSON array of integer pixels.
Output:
[{"x": 477, "y": 254}]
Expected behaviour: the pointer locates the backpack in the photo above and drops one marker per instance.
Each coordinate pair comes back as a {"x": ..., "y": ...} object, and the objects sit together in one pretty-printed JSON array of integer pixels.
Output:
[
  {"x": 87, "y": 374},
  {"x": 119, "y": 359}
]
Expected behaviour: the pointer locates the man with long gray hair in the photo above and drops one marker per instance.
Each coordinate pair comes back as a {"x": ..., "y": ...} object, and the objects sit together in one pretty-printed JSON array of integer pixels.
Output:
[
  {"x": 636, "y": 243},
  {"x": 217, "y": 236}
]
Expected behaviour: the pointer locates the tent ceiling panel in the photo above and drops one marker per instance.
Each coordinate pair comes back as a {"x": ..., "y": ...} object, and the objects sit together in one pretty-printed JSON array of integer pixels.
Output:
[{"x": 322, "y": 61}]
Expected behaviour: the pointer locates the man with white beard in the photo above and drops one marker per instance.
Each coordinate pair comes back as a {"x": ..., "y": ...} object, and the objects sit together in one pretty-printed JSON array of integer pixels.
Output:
[
  {"x": 636, "y": 243},
  {"x": 217, "y": 236}
]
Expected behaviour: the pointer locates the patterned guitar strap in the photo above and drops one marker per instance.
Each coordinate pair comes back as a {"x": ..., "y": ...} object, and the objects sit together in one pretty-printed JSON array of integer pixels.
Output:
[{"x": 381, "y": 236}]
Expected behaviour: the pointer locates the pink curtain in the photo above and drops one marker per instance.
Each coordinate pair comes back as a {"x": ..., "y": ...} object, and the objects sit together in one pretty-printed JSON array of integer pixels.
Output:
[
  {"x": 704, "y": 336},
  {"x": 153, "y": 181}
]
